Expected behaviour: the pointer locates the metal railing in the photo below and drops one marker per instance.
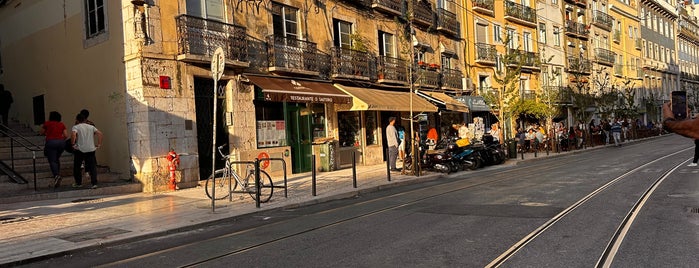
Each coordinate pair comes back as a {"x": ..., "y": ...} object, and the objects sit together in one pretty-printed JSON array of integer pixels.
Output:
[
  {"x": 426, "y": 78},
  {"x": 488, "y": 5},
  {"x": 394, "y": 6},
  {"x": 422, "y": 12},
  {"x": 348, "y": 62},
  {"x": 392, "y": 69},
  {"x": 576, "y": 64},
  {"x": 452, "y": 79},
  {"x": 577, "y": 28},
  {"x": 604, "y": 55},
  {"x": 527, "y": 58},
  {"x": 520, "y": 12},
  {"x": 447, "y": 22},
  {"x": 602, "y": 19},
  {"x": 293, "y": 54},
  {"x": 486, "y": 52},
  {"x": 21, "y": 142},
  {"x": 200, "y": 36}
]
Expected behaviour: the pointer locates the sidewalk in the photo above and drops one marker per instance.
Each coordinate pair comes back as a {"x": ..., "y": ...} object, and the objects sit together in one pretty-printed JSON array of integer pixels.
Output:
[{"x": 41, "y": 229}]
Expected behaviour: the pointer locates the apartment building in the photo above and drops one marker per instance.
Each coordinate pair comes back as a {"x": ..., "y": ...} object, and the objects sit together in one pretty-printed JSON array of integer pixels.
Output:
[
  {"x": 660, "y": 69},
  {"x": 627, "y": 42},
  {"x": 300, "y": 76},
  {"x": 688, "y": 48},
  {"x": 552, "y": 50}
]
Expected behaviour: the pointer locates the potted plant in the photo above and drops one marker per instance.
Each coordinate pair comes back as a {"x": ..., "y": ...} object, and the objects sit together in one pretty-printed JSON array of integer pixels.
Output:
[{"x": 434, "y": 66}]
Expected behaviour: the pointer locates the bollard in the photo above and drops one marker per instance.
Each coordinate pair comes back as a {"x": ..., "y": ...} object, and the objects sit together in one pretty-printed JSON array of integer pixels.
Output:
[
  {"x": 536, "y": 150},
  {"x": 257, "y": 183},
  {"x": 388, "y": 166},
  {"x": 354, "y": 170},
  {"x": 313, "y": 175}
]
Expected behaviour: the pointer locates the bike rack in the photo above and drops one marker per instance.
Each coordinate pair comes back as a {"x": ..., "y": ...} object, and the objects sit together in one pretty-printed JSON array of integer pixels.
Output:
[{"x": 283, "y": 167}]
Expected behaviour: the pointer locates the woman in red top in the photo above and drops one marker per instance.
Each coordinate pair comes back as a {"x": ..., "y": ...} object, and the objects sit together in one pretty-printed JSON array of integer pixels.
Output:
[{"x": 56, "y": 134}]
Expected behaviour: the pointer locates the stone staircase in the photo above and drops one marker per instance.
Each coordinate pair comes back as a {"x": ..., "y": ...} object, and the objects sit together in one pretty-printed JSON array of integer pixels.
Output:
[{"x": 24, "y": 163}]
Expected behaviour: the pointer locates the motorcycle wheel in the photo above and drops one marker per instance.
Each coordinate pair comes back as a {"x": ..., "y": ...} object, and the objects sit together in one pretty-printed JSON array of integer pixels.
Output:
[{"x": 477, "y": 163}]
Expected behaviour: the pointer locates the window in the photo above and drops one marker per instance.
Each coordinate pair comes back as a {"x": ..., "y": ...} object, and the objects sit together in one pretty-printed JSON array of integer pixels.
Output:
[
  {"x": 268, "y": 117},
  {"x": 556, "y": 36},
  {"x": 511, "y": 38},
  {"x": 527, "y": 41},
  {"x": 498, "y": 63},
  {"x": 208, "y": 9},
  {"x": 343, "y": 31},
  {"x": 349, "y": 129},
  {"x": 481, "y": 33},
  {"x": 372, "y": 127},
  {"x": 95, "y": 18},
  {"x": 559, "y": 76},
  {"x": 631, "y": 32},
  {"x": 285, "y": 21},
  {"x": 386, "y": 45},
  {"x": 497, "y": 33},
  {"x": 554, "y": 2},
  {"x": 643, "y": 12},
  {"x": 542, "y": 33},
  {"x": 446, "y": 62}
]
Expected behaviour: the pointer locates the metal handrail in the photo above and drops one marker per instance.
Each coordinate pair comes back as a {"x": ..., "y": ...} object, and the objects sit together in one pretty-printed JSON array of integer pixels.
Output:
[{"x": 24, "y": 142}]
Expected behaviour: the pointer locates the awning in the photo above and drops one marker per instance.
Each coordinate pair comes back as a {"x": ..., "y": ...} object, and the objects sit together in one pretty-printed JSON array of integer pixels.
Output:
[
  {"x": 289, "y": 90},
  {"x": 366, "y": 99},
  {"x": 474, "y": 103},
  {"x": 444, "y": 100}
]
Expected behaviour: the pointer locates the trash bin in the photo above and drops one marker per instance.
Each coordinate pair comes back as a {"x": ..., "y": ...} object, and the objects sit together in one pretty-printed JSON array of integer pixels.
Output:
[{"x": 512, "y": 148}]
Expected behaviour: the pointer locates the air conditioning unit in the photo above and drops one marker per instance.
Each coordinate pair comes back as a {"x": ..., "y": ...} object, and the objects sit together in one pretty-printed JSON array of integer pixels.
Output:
[{"x": 570, "y": 44}]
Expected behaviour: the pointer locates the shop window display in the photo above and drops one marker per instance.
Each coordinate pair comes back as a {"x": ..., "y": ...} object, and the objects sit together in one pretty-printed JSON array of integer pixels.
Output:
[
  {"x": 271, "y": 128},
  {"x": 372, "y": 132},
  {"x": 318, "y": 124},
  {"x": 349, "y": 129}
]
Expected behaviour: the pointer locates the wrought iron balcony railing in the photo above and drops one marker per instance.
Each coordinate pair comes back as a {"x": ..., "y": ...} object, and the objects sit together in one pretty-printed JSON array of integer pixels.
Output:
[
  {"x": 348, "y": 63},
  {"x": 392, "y": 70},
  {"x": 447, "y": 22},
  {"x": 293, "y": 55},
  {"x": 604, "y": 56},
  {"x": 425, "y": 78},
  {"x": 198, "y": 38},
  {"x": 394, "y": 7},
  {"x": 578, "y": 65},
  {"x": 602, "y": 20},
  {"x": 576, "y": 28},
  {"x": 485, "y": 53},
  {"x": 423, "y": 13},
  {"x": 527, "y": 58},
  {"x": 520, "y": 13},
  {"x": 617, "y": 36},
  {"x": 484, "y": 6},
  {"x": 581, "y": 3},
  {"x": 452, "y": 80}
]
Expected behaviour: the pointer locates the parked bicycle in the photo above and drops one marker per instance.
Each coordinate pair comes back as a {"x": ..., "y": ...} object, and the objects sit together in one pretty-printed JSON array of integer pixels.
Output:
[{"x": 222, "y": 178}]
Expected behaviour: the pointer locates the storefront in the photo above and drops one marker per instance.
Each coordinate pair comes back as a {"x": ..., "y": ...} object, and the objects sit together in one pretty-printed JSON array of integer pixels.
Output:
[
  {"x": 478, "y": 108},
  {"x": 362, "y": 124},
  {"x": 451, "y": 111},
  {"x": 291, "y": 115}
]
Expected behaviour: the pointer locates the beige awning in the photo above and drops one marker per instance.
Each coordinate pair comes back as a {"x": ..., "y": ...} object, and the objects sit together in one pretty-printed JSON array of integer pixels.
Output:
[
  {"x": 449, "y": 103},
  {"x": 368, "y": 99}
]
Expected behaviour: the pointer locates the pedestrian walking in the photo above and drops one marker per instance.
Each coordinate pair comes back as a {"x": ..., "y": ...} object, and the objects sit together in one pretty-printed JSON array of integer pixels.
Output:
[
  {"x": 56, "y": 135},
  {"x": 392, "y": 142},
  {"x": 5, "y": 103},
  {"x": 616, "y": 132},
  {"x": 401, "y": 142},
  {"x": 83, "y": 141}
]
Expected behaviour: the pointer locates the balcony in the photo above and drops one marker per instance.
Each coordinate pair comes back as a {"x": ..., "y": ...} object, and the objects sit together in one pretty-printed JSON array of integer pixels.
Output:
[
  {"x": 529, "y": 60},
  {"x": 528, "y": 95},
  {"x": 577, "y": 29},
  {"x": 564, "y": 94},
  {"x": 393, "y": 7},
  {"x": 485, "y": 53},
  {"x": 426, "y": 78},
  {"x": 452, "y": 80},
  {"x": 447, "y": 22},
  {"x": 289, "y": 55},
  {"x": 617, "y": 36},
  {"x": 581, "y": 3},
  {"x": 392, "y": 71},
  {"x": 602, "y": 20},
  {"x": 360, "y": 3},
  {"x": 198, "y": 38},
  {"x": 423, "y": 13},
  {"x": 638, "y": 43},
  {"x": 639, "y": 73},
  {"x": 604, "y": 56},
  {"x": 520, "y": 14},
  {"x": 486, "y": 7},
  {"x": 578, "y": 65},
  {"x": 352, "y": 64}
]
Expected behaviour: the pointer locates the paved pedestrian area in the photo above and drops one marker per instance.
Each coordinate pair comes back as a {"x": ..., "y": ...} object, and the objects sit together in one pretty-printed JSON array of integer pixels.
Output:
[{"x": 39, "y": 229}]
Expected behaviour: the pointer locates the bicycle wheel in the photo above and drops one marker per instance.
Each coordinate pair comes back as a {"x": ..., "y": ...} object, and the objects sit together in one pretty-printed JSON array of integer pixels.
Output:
[
  {"x": 266, "y": 188},
  {"x": 221, "y": 183}
]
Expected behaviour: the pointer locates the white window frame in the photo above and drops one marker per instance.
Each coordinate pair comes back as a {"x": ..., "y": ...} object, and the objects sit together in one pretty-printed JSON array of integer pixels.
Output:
[
  {"x": 497, "y": 34},
  {"x": 285, "y": 19},
  {"x": 340, "y": 35},
  {"x": 556, "y": 36},
  {"x": 95, "y": 36},
  {"x": 542, "y": 32},
  {"x": 389, "y": 45}
]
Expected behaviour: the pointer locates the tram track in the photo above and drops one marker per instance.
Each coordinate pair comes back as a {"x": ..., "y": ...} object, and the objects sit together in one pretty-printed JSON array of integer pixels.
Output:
[
  {"x": 437, "y": 190},
  {"x": 615, "y": 241}
]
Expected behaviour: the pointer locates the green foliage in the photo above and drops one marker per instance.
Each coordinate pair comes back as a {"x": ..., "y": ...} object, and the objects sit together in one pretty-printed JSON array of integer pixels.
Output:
[{"x": 359, "y": 43}]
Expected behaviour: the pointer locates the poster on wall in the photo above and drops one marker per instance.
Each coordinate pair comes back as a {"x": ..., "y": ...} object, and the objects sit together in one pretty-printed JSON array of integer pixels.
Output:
[{"x": 271, "y": 133}]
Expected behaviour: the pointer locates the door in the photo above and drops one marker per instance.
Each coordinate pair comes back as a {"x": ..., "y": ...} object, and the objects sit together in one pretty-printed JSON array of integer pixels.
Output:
[
  {"x": 298, "y": 119},
  {"x": 203, "y": 102}
]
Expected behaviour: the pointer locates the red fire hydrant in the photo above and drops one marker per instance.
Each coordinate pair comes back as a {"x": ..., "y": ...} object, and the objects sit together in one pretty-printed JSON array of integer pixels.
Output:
[{"x": 174, "y": 161}]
